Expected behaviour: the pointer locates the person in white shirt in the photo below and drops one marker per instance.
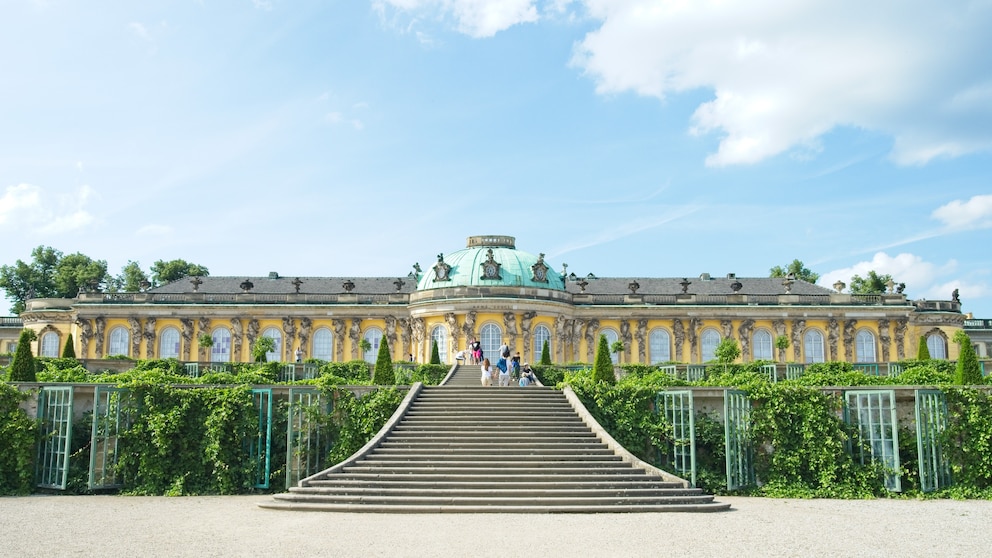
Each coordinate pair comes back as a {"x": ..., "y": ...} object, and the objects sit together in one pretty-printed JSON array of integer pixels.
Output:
[{"x": 487, "y": 373}]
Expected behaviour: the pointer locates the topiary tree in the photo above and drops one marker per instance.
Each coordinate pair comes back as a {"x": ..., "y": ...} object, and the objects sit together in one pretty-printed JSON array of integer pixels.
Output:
[
  {"x": 205, "y": 342},
  {"x": 435, "y": 354},
  {"x": 22, "y": 368},
  {"x": 923, "y": 352},
  {"x": 262, "y": 346},
  {"x": 727, "y": 351},
  {"x": 69, "y": 351},
  {"x": 782, "y": 343},
  {"x": 602, "y": 369},
  {"x": 968, "y": 371},
  {"x": 546, "y": 353},
  {"x": 383, "y": 374}
]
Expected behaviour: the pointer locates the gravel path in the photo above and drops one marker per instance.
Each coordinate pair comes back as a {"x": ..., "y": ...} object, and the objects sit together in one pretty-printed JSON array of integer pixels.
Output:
[{"x": 236, "y": 526}]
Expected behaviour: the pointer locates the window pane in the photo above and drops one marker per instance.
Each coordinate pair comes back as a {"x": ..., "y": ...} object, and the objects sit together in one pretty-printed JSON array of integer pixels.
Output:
[
  {"x": 440, "y": 335},
  {"x": 864, "y": 344},
  {"x": 660, "y": 346},
  {"x": 761, "y": 345},
  {"x": 50, "y": 344},
  {"x": 541, "y": 334},
  {"x": 323, "y": 344},
  {"x": 710, "y": 340},
  {"x": 221, "y": 351},
  {"x": 935, "y": 344},
  {"x": 119, "y": 338},
  {"x": 276, "y": 336},
  {"x": 374, "y": 337},
  {"x": 491, "y": 337},
  {"x": 168, "y": 345},
  {"x": 813, "y": 346}
]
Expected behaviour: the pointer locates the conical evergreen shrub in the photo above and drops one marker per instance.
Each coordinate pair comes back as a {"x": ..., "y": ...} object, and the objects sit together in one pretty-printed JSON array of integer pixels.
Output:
[
  {"x": 69, "y": 351},
  {"x": 602, "y": 369},
  {"x": 383, "y": 374},
  {"x": 968, "y": 371},
  {"x": 435, "y": 354},
  {"x": 923, "y": 352},
  {"x": 22, "y": 367},
  {"x": 546, "y": 353}
]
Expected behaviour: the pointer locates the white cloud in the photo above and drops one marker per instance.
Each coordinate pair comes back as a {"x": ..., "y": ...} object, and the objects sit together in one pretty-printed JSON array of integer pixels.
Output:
[
  {"x": 976, "y": 213},
  {"x": 333, "y": 117},
  {"x": 476, "y": 18},
  {"x": 140, "y": 31},
  {"x": 265, "y": 5},
  {"x": 31, "y": 209},
  {"x": 784, "y": 74}
]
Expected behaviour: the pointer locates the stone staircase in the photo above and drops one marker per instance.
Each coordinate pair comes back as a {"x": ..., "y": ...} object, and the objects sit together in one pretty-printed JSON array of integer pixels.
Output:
[{"x": 461, "y": 447}]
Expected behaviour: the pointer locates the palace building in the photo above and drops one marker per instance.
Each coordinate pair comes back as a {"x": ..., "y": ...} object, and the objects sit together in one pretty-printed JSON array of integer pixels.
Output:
[{"x": 494, "y": 292}]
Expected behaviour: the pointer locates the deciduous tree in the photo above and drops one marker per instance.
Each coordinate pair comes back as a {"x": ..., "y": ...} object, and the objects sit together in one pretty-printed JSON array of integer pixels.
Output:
[{"x": 797, "y": 270}]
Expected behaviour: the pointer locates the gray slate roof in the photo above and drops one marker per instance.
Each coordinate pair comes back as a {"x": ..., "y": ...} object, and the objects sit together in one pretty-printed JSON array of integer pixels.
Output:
[
  {"x": 284, "y": 285},
  {"x": 712, "y": 286}
]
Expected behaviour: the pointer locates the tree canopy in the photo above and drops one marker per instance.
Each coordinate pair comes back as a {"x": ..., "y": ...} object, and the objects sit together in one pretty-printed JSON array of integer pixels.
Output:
[
  {"x": 797, "y": 270},
  {"x": 872, "y": 283},
  {"x": 131, "y": 278},
  {"x": 173, "y": 270},
  {"x": 51, "y": 274}
]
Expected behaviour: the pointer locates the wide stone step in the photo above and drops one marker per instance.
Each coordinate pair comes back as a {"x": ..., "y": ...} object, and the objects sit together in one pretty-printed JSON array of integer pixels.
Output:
[
  {"x": 494, "y": 500},
  {"x": 472, "y": 435},
  {"x": 457, "y": 426},
  {"x": 534, "y": 507},
  {"x": 486, "y": 443},
  {"x": 498, "y": 491},
  {"x": 501, "y": 457},
  {"x": 585, "y": 476},
  {"x": 597, "y": 483},
  {"x": 493, "y": 451},
  {"x": 492, "y": 470}
]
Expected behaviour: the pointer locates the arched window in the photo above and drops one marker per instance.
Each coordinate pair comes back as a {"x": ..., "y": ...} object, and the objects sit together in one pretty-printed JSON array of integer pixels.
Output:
[
  {"x": 168, "y": 343},
  {"x": 611, "y": 337},
  {"x": 323, "y": 344},
  {"x": 660, "y": 346},
  {"x": 813, "y": 346},
  {"x": 221, "y": 351},
  {"x": 276, "y": 336},
  {"x": 937, "y": 346},
  {"x": 709, "y": 340},
  {"x": 540, "y": 335},
  {"x": 374, "y": 336},
  {"x": 120, "y": 338},
  {"x": 439, "y": 335},
  {"x": 50, "y": 344},
  {"x": 491, "y": 337},
  {"x": 761, "y": 345},
  {"x": 864, "y": 344}
]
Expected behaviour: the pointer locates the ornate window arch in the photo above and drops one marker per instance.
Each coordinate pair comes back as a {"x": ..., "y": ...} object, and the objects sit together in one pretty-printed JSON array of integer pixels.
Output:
[
  {"x": 374, "y": 336},
  {"x": 221, "y": 350},
  {"x": 120, "y": 341},
  {"x": 761, "y": 345},
  {"x": 541, "y": 334},
  {"x": 439, "y": 334},
  {"x": 864, "y": 346},
  {"x": 48, "y": 345},
  {"x": 275, "y": 335},
  {"x": 937, "y": 344},
  {"x": 611, "y": 337},
  {"x": 491, "y": 337},
  {"x": 813, "y": 346},
  {"x": 323, "y": 344},
  {"x": 708, "y": 342},
  {"x": 659, "y": 345},
  {"x": 168, "y": 343}
]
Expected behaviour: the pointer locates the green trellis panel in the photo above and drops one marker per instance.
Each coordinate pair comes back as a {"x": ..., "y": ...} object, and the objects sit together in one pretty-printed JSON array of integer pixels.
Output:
[
  {"x": 110, "y": 419},
  {"x": 192, "y": 369},
  {"x": 287, "y": 373},
  {"x": 931, "y": 421},
  {"x": 868, "y": 368},
  {"x": 670, "y": 369},
  {"x": 260, "y": 449},
  {"x": 695, "y": 372},
  {"x": 874, "y": 413},
  {"x": 310, "y": 371},
  {"x": 894, "y": 369},
  {"x": 678, "y": 409},
  {"x": 55, "y": 416},
  {"x": 793, "y": 371},
  {"x": 306, "y": 442},
  {"x": 771, "y": 370},
  {"x": 737, "y": 435}
]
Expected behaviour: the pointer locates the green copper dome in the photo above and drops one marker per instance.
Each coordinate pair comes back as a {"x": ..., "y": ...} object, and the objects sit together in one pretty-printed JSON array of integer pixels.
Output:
[{"x": 490, "y": 261}]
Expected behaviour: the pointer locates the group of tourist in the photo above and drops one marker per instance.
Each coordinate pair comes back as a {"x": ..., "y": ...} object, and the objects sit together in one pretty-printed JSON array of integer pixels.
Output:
[{"x": 506, "y": 370}]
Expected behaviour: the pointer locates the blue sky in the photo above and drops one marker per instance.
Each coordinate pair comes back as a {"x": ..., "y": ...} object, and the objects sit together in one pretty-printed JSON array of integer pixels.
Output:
[{"x": 622, "y": 137}]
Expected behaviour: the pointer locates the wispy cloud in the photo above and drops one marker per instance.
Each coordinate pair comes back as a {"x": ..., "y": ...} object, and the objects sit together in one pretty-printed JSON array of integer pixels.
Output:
[
  {"x": 154, "y": 230},
  {"x": 976, "y": 213},
  {"x": 624, "y": 230},
  {"x": 26, "y": 206}
]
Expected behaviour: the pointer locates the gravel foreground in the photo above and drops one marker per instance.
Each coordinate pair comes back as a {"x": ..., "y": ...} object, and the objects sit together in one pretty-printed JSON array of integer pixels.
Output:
[{"x": 236, "y": 526}]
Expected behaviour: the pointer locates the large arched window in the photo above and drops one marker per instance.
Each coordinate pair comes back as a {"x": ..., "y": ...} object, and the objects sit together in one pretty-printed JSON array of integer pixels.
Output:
[
  {"x": 276, "y": 336},
  {"x": 660, "y": 346},
  {"x": 374, "y": 336},
  {"x": 541, "y": 334},
  {"x": 709, "y": 341},
  {"x": 937, "y": 346},
  {"x": 611, "y": 337},
  {"x": 864, "y": 345},
  {"x": 761, "y": 345},
  {"x": 323, "y": 344},
  {"x": 120, "y": 338},
  {"x": 168, "y": 343},
  {"x": 49, "y": 344},
  {"x": 439, "y": 335},
  {"x": 813, "y": 346},
  {"x": 491, "y": 337},
  {"x": 221, "y": 351}
]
